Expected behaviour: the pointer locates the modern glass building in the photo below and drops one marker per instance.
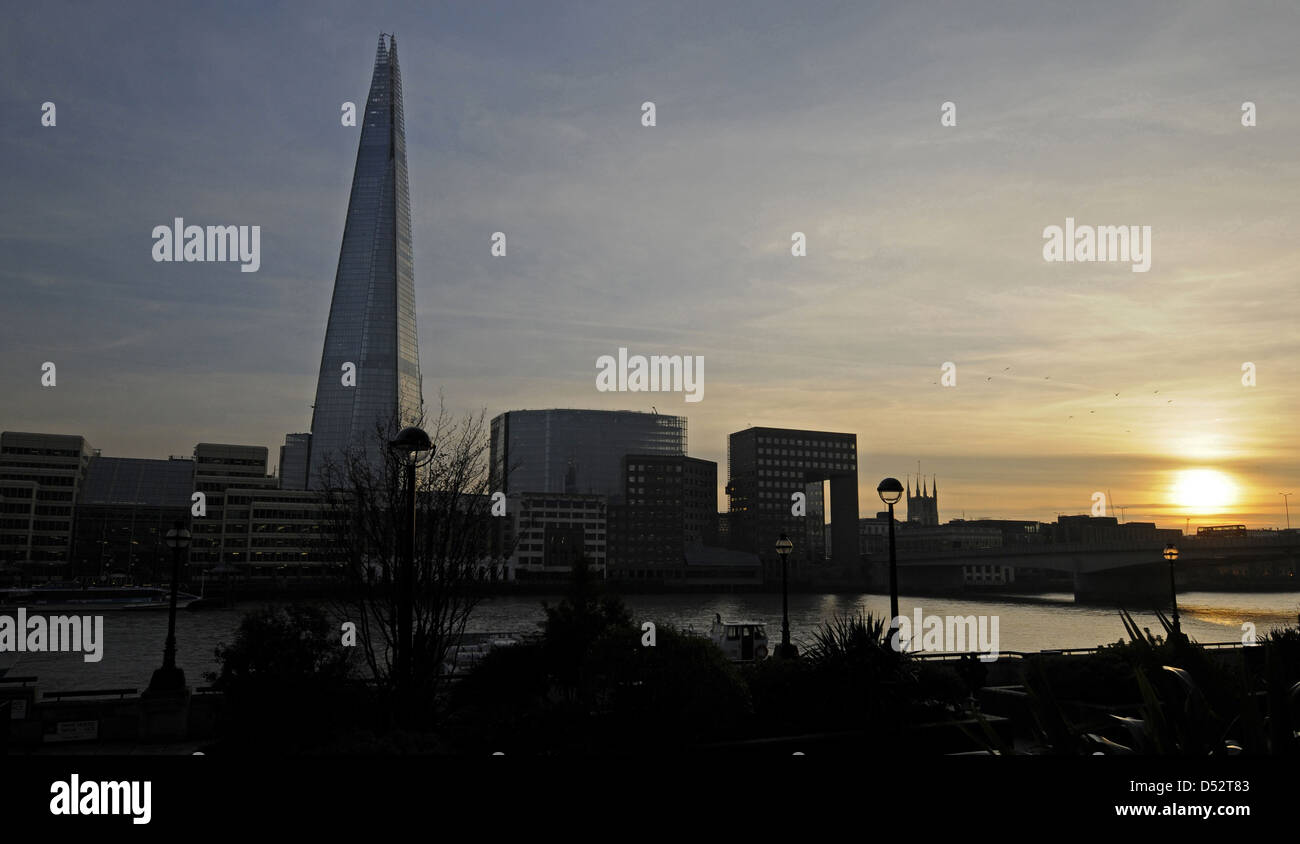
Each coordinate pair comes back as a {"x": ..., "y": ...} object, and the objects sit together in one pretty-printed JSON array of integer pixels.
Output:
[
  {"x": 124, "y": 509},
  {"x": 371, "y": 330},
  {"x": 577, "y": 451}
]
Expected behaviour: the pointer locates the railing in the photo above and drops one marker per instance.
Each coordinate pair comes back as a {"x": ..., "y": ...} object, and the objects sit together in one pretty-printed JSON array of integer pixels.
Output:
[
  {"x": 121, "y": 693},
  {"x": 955, "y": 655}
]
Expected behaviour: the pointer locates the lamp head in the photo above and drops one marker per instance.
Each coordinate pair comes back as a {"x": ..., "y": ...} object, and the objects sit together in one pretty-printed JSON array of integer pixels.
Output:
[
  {"x": 410, "y": 440},
  {"x": 890, "y": 490},
  {"x": 784, "y": 545}
]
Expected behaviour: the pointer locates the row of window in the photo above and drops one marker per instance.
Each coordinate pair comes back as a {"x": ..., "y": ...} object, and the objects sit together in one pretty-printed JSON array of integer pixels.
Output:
[
  {"x": 45, "y": 452},
  {"x": 831, "y": 444}
]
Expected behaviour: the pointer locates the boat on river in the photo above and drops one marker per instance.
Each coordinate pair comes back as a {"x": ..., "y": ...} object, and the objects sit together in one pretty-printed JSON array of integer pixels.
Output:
[
  {"x": 63, "y": 597},
  {"x": 741, "y": 641}
]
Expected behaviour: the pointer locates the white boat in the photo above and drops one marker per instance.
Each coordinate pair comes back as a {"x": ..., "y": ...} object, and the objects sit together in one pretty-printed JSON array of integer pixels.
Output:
[
  {"x": 71, "y": 597},
  {"x": 741, "y": 641}
]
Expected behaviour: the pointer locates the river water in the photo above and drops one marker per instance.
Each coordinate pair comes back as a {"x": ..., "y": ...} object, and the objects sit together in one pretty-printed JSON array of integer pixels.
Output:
[{"x": 133, "y": 643}]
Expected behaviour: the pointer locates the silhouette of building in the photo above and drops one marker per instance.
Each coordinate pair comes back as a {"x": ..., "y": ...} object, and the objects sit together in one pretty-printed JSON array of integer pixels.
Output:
[
  {"x": 668, "y": 504},
  {"x": 923, "y": 507},
  {"x": 294, "y": 456},
  {"x": 766, "y": 467},
  {"x": 577, "y": 451},
  {"x": 370, "y": 365}
]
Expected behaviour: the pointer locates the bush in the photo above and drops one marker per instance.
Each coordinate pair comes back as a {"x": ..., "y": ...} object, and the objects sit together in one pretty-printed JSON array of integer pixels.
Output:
[
  {"x": 681, "y": 691},
  {"x": 285, "y": 681}
]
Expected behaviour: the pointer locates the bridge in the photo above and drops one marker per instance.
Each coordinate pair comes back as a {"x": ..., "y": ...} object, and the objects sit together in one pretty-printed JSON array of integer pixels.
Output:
[{"x": 1108, "y": 571}]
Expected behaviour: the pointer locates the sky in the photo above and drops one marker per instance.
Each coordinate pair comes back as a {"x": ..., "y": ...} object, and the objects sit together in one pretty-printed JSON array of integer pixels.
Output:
[{"x": 924, "y": 241}]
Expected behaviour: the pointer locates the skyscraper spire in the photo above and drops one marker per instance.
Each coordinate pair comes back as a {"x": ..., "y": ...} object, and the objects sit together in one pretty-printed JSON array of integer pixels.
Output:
[{"x": 370, "y": 364}]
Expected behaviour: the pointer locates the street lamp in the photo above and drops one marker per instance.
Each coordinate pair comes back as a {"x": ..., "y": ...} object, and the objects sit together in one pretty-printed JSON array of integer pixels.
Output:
[
  {"x": 890, "y": 490},
  {"x": 410, "y": 442},
  {"x": 783, "y": 548},
  {"x": 1171, "y": 554},
  {"x": 1286, "y": 496},
  {"x": 171, "y": 678}
]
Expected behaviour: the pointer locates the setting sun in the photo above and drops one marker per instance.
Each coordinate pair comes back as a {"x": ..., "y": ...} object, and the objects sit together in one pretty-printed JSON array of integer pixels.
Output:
[{"x": 1204, "y": 490}]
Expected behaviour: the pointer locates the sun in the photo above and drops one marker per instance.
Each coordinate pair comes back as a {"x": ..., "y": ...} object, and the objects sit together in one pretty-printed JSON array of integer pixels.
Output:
[{"x": 1204, "y": 490}]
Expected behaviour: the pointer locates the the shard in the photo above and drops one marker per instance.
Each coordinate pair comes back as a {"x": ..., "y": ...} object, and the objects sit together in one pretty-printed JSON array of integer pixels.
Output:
[{"x": 372, "y": 315}]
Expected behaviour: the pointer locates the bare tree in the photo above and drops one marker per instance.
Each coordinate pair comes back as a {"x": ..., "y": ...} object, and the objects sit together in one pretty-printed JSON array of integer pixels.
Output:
[{"x": 366, "y": 520}]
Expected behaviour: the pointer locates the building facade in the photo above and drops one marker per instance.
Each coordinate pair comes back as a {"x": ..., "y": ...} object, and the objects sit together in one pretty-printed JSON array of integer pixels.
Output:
[
  {"x": 220, "y": 534},
  {"x": 40, "y": 477},
  {"x": 766, "y": 467},
  {"x": 668, "y": 504},
  {"x": 124, "y": 509},
  {"x": 577, "y": 451},
  {"x": 547, "y": 532},
  {"x": 370, "y": 366},
  {"x": 294, "y": 457}
]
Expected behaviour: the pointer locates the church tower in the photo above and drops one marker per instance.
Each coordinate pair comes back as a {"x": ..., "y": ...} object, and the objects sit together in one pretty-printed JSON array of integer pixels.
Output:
[{"x": 923, "y": 507}]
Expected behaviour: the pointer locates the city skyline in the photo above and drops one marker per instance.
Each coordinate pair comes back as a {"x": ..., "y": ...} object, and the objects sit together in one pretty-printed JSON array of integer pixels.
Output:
[{"x": 676, "y": 239}]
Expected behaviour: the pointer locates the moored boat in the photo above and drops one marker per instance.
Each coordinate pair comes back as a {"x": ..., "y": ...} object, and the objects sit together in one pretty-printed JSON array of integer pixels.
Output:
[
  {"x": 741, "y": 641},
  {"x": 72, "y": 597}
]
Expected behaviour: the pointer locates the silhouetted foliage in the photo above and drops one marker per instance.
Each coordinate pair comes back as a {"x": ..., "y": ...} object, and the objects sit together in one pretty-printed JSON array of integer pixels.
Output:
[
  {"x": 574, "y": 625},
  {"x": 286, "y": 681}
]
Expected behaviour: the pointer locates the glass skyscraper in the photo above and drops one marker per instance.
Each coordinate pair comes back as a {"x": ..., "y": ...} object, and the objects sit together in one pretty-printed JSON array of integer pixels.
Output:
[
  {"x": 577, "y": 451},
  {"x": 372, "y": 315}
]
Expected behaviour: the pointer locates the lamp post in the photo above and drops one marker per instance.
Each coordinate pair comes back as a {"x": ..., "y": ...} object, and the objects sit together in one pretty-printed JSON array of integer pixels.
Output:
[
  {"x": 410, "y": 442},
  {"x": 1286, "y": 496},
  {"x": 890, "y": 490},
  {"x": 1171, "y": 554},
  {"x": 171, "y": 678},
  {"x": 783, "y": 548}
]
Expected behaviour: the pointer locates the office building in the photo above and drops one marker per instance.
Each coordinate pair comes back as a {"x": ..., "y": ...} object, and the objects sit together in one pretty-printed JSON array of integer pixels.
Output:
[
  {"x": 766, "y": 467},
  {"x": 40, "y": 477},
  {"x": 124, "y": 509},
  {"x": 294, "y": 456},
  {"x": 577, "y": 451},
  {"x": 668, "y": 504},
  {"x": 221, "y": 534},
  {"x": 547, "y": 532}
]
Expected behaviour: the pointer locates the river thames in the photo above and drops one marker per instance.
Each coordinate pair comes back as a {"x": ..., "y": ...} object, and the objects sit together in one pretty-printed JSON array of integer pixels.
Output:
[{"x": 133, "y": 643}]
